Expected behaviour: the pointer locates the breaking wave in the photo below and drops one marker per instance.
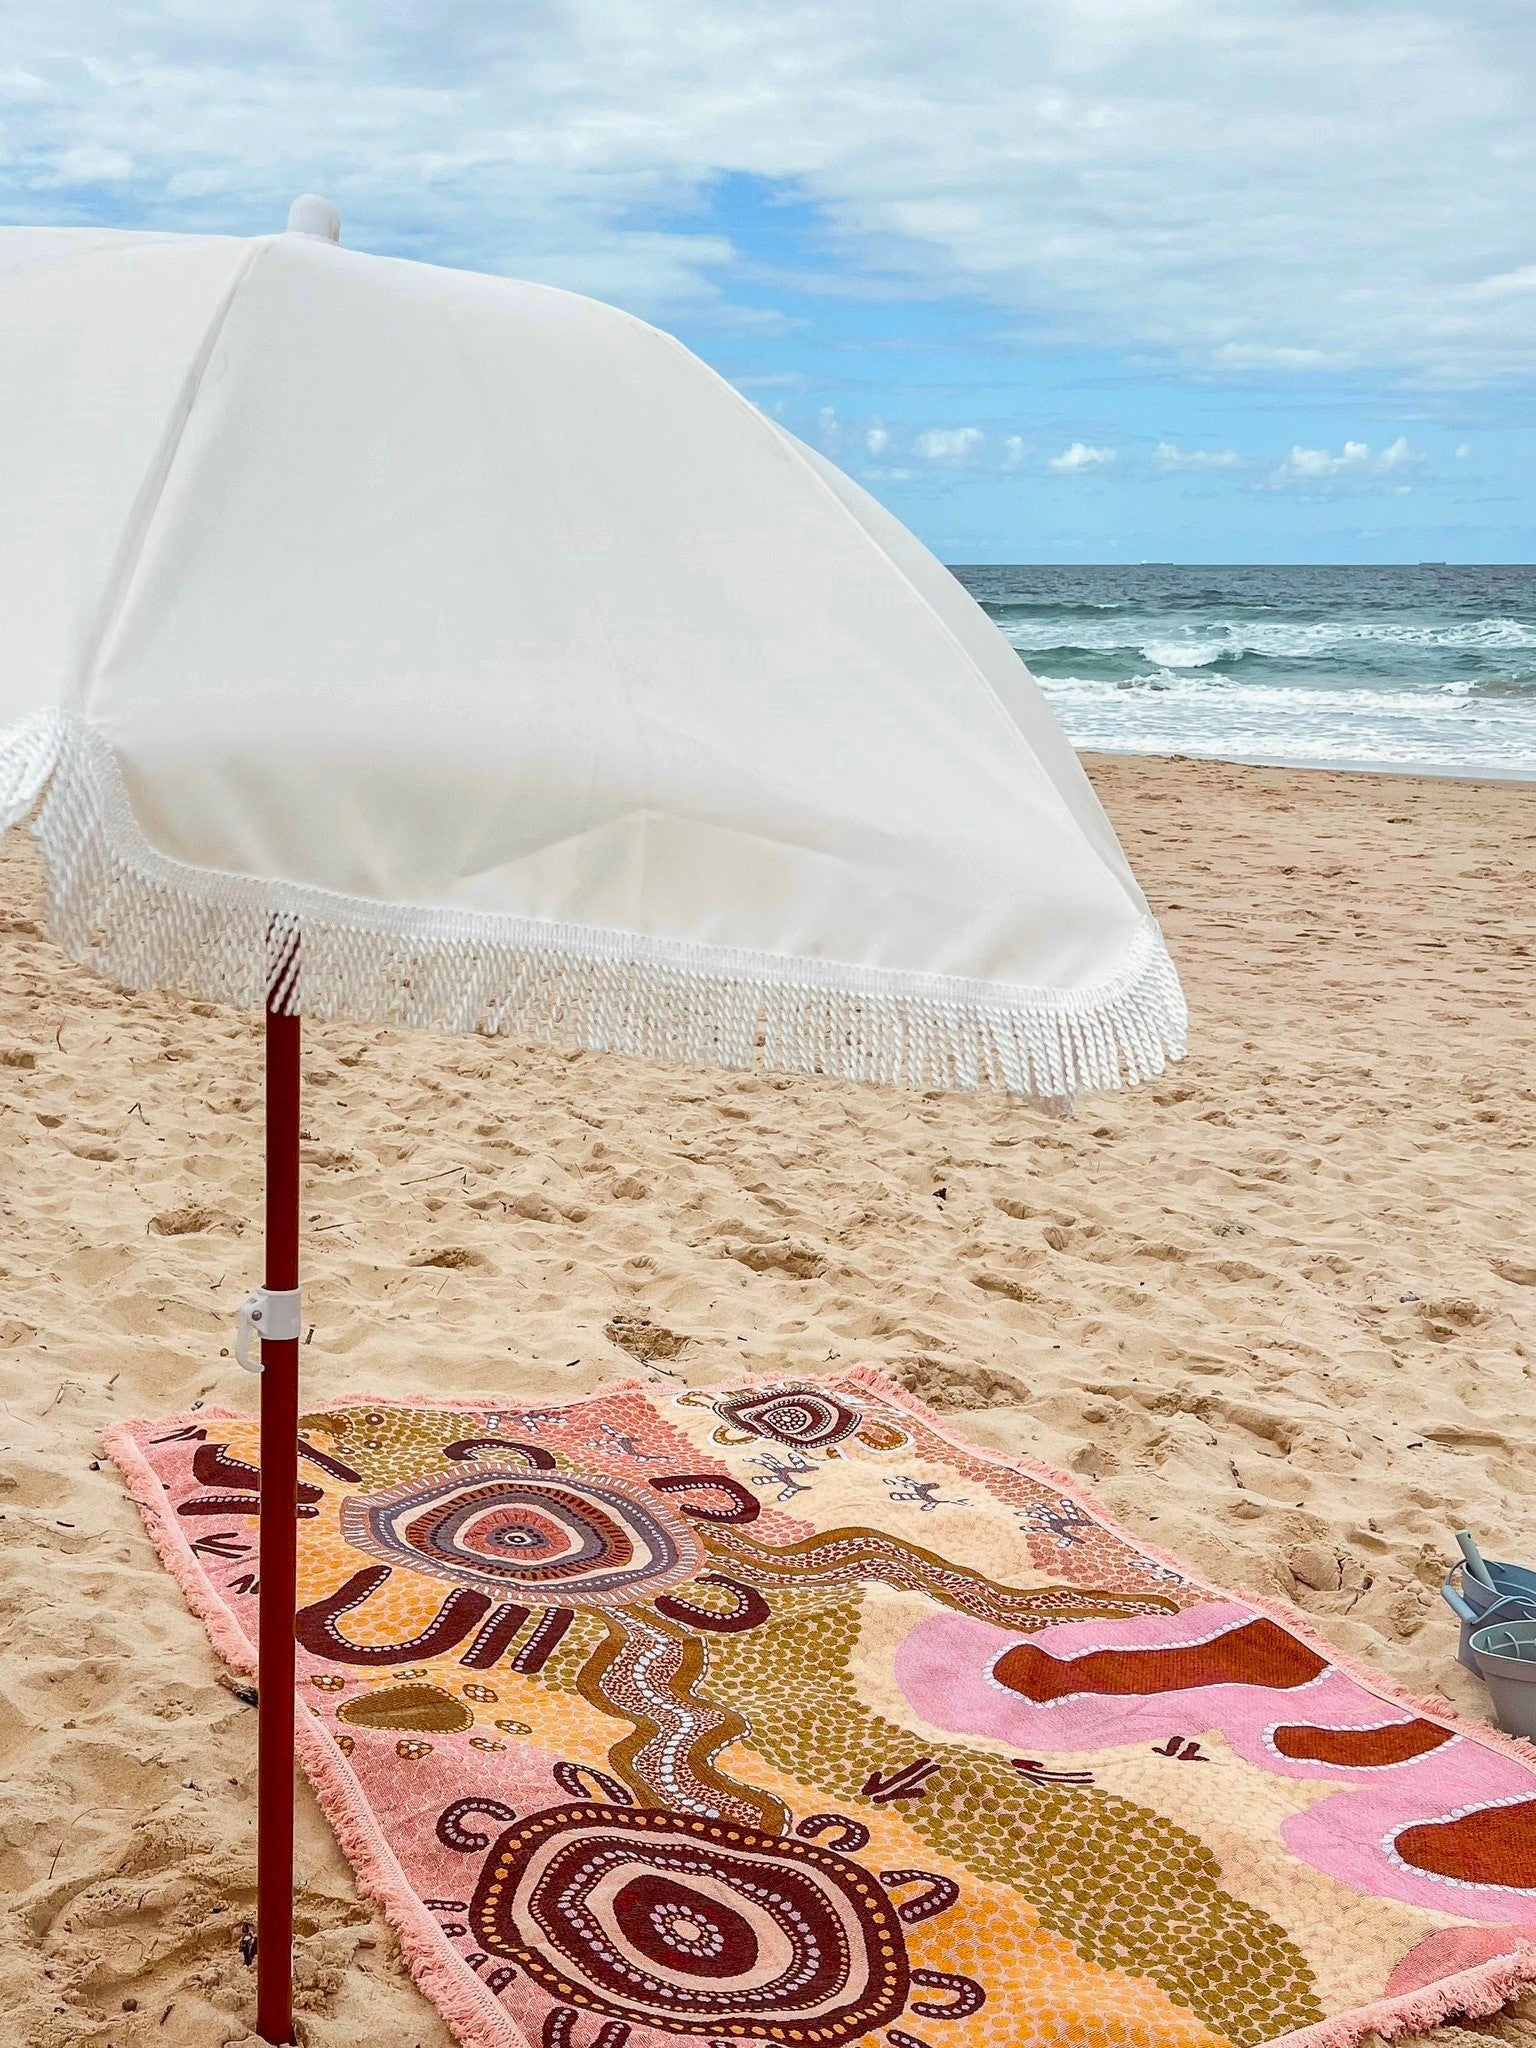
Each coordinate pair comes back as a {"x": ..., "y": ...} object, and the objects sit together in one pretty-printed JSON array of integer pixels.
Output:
[{"x": 1432, "y": 667}]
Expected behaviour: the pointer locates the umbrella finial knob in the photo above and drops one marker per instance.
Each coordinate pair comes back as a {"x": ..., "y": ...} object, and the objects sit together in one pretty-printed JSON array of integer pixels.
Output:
[{"x": 311, "y": 215}]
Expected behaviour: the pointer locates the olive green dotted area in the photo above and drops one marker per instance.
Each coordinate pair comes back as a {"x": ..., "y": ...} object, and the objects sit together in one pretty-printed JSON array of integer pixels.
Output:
[{"x": 1130, "y": 1890}]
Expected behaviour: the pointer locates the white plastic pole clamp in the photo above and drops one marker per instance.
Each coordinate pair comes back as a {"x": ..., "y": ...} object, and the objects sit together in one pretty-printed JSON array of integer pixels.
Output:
[{"x": 272, "y": 1312}]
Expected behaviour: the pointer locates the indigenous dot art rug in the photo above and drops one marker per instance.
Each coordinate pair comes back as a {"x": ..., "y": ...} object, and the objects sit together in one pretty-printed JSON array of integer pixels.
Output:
[{"x": 777, "y": 1713}]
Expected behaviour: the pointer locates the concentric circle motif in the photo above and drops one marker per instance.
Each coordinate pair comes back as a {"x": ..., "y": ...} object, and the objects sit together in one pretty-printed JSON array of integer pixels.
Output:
[
  {"x": 807, "y": 1417},
  {"x": 671, "y": 1920},
  {"x": 541, "y": 1539}
]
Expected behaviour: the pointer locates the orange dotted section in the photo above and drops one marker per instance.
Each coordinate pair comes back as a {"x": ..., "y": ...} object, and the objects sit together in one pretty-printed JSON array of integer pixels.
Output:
[
  {"x": 1121, "y": 1885},
  {"x": 1040, "y": 1992},
  {"x": 1088, "y": 1921}
]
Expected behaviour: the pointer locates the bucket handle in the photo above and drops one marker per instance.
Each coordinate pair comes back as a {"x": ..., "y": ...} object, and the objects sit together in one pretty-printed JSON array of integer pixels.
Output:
[
  {"x": 1523, "y": 1604},
  {"x": 1453, "y": 1599}
]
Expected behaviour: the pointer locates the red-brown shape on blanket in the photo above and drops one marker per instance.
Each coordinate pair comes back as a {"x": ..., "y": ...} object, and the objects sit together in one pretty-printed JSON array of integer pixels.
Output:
[
  {"x": 1359, "y": 1749},
  {"x": 1257, "y": 1653},
  {"x": 1491, "y": 1845}
]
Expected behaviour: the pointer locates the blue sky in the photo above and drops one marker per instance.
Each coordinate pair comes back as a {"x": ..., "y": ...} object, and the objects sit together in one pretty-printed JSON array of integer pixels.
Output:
[
  {"x": 1000, "y": 447},
  {"x": 1089, "y": 280}
]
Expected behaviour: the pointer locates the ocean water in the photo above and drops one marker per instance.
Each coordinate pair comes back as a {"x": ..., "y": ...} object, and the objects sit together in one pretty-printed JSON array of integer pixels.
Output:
[{"x": 1429, "y": 668}]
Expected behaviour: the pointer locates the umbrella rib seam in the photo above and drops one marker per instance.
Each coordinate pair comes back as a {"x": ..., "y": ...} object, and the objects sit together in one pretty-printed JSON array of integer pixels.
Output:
[
  {"x": 134, "y": 539},
  {"x": 902, "y": 585}
]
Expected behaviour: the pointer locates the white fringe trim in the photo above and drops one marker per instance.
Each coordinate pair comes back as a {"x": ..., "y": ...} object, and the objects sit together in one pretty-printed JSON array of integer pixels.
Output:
[
  {"x": 28, "y": 753},
  {"x": 144, "y": 920}
]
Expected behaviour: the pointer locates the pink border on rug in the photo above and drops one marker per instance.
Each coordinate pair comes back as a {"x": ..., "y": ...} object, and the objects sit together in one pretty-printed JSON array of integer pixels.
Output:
[
  {"x": 1471, "y": 1994},
  {"x": 481, "y": 2021},
  {"x": 478, "y": 2020}
]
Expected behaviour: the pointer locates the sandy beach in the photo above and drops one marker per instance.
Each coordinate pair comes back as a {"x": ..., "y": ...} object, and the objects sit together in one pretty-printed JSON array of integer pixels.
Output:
[{"x": 1279, "y": 1307}]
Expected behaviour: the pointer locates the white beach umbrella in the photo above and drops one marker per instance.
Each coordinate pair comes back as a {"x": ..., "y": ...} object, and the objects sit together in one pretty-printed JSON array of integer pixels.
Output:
[{"x": 421, "y": 647}]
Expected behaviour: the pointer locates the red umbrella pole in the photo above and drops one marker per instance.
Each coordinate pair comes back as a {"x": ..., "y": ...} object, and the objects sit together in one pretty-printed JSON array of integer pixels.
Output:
[{"x": 279, "y": 1550}]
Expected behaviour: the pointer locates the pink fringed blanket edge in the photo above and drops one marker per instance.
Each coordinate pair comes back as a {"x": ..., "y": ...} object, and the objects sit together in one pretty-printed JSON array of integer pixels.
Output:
[{"x": 480, "y": 2022}]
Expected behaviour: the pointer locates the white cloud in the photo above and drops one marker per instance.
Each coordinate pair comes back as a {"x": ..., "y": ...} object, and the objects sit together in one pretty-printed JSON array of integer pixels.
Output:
[
  {"x": 877, "y": 440},
  {"x": 1188, "y": 180},
  {"x": 948, "y": 444},
  {"x": 1463, "y": 451},
  {"x": 1510, "y": 284},
  {"x": 828, "y": 427},
  {"x": 1171, "y": 456},
  {"x": 87, "y": 165},
  {"x": 1080, "y": 456},
  {"x": 1014, "y": 451},
  {"x": 1354, "y": 460},
  {"x": 1309, "y": 463}
]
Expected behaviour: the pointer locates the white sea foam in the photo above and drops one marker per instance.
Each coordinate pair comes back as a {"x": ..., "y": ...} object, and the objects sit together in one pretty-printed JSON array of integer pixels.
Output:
[
  {"x": 1434, "y": 667},
  {"x": 1185, "y": 653},
  {"x": 1213, "y": 716},
  {"x": 1223, "y": 639}
]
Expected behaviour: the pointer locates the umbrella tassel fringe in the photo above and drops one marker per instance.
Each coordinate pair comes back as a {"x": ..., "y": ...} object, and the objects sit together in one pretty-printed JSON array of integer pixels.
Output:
[{"x": 145, "y": 920}]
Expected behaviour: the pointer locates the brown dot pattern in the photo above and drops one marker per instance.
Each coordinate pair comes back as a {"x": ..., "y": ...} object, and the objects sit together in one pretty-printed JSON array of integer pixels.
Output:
[
  {"x": 1050, "y": 1914},
  {"x": 1129, "y": 1889}
]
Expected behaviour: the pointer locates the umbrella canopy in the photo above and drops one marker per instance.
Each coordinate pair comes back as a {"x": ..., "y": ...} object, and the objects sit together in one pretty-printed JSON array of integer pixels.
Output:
[
  {"x": 427, "y": 648},
  {"x": 439, "y": 649}
]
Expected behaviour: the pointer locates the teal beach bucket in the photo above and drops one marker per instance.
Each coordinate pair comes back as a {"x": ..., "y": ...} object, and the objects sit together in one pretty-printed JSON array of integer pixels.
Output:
[
  {"x": 1512, "y": 1594},
  {"x": 1506, "y": 1657}
]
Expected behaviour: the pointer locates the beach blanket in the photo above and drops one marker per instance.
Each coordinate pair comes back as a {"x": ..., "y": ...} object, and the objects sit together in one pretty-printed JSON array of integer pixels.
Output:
[{"x": 778, "y": 1713}]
